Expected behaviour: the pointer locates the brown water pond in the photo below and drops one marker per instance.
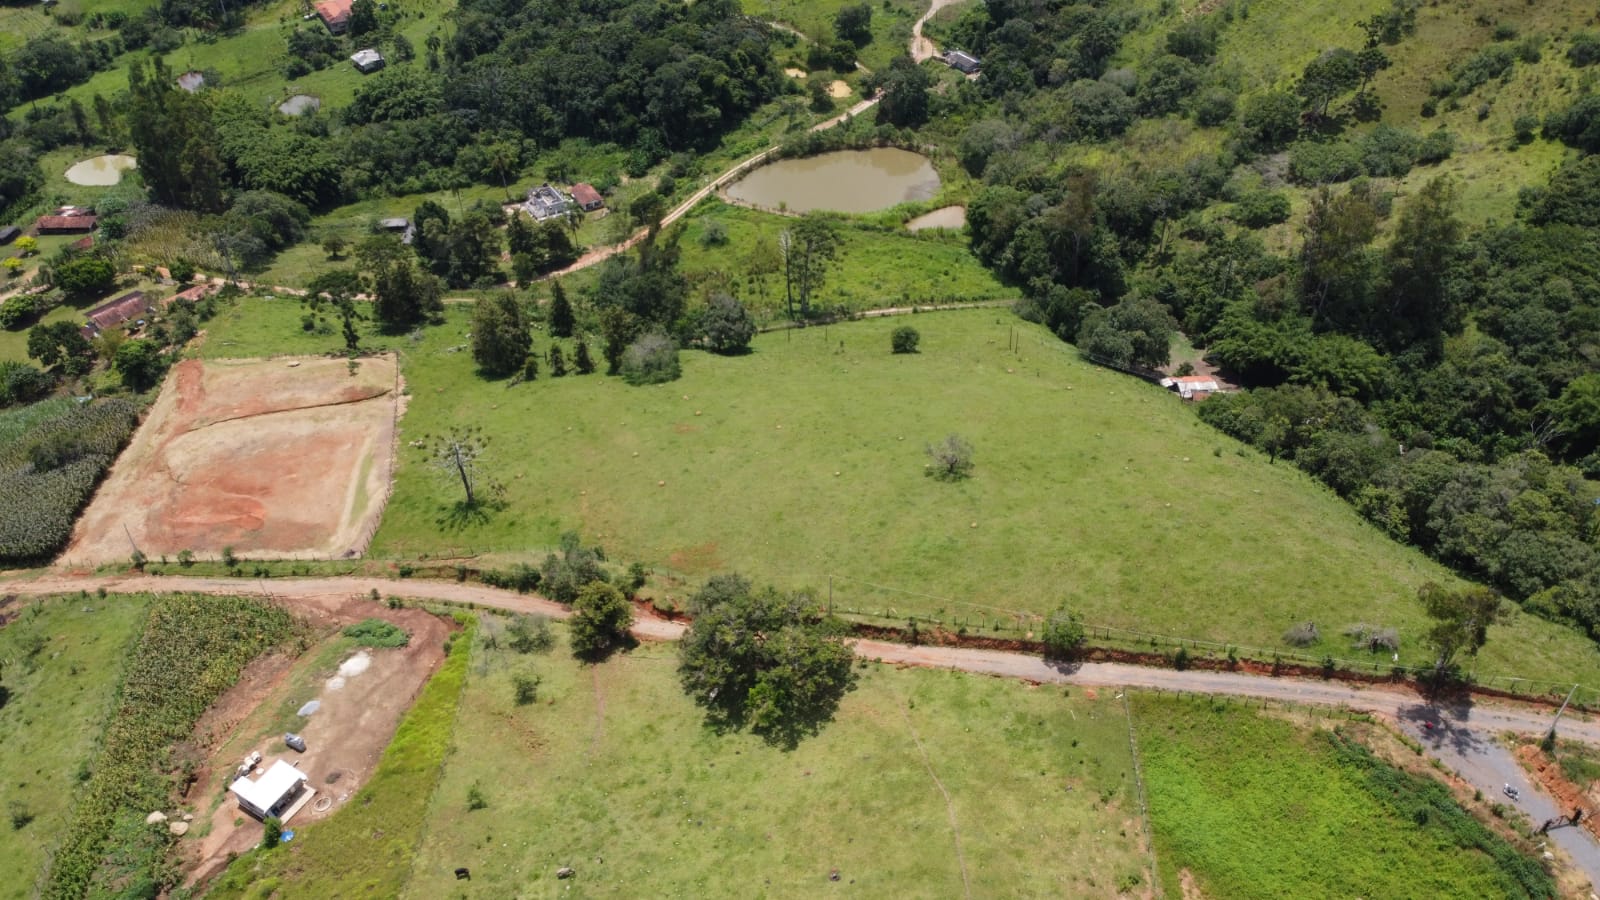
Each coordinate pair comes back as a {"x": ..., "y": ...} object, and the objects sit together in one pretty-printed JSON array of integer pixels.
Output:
[{"x": 847, "y": 181}]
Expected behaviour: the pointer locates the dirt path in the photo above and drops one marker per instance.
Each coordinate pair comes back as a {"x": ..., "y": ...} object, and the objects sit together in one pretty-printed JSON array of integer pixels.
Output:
[{"x": 923, "y": 49}]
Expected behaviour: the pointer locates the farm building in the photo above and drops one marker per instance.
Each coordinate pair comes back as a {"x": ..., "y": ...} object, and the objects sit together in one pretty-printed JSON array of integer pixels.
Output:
[
  {"x": 1192, "y": 387},
  {"x": 546, "y": 202},
  {"x": 367, "y": 60},
  {"x": 65, "y": 224},
  {"x": 126, "y": 308},
  {"x": 195, "y": 294},
  {"x": 335, "y": 14},
  {"x": 406, "y": 230},
  {"x": 9, "y": 234},
  {"x": 273, "y": 793},
  {"x": 587, "y": 198},
  {"x": 961, "y": 61}
]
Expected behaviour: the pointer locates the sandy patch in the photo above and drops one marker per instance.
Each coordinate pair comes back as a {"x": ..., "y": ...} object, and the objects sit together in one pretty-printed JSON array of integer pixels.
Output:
[
  {"x": 271, "y": 459},
  {"x": 349, "y": 669},
  {"x": 795, "y": 73},
  {"x": 838, "y": 90}
]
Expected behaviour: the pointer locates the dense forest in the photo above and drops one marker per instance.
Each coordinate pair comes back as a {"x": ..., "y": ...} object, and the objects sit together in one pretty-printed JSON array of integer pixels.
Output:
[{"x": 1445, "y": 379}]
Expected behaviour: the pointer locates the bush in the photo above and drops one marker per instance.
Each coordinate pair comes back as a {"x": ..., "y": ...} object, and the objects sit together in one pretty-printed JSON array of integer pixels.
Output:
[
  {"x": 1062, "y": 635},
  {"x": 1258, "y": 209},
  {"x": 904, "y": 339},
  {"x": 652, "y": 359},
  {"x": 951, "y": 458},
  {"x": 1303, "y": 634},
  {"x": 1585, "y": 49},
  {"x": 1318, "y": 162},
  {"x": 22, "y": 383},
  {"x": 527, "y": 691},
  {"x": 475, "y": 798},
  {"x": 1438, "y": 147},
  {"x": 1213, "y": 107},
  {"x": 272, "y": 834},
  {"x": 1373, "y": 638},
  {"x": 530, "y": 634},
  {"x": 378, "y": 633},
  {"x": 727, "y": 326},
  {"x": 600, "y": 621}
]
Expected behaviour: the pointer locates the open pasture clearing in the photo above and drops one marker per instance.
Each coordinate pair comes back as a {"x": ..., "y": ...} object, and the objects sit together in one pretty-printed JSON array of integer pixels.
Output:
[
  {"x": 805, "y": 459},
  {"x": 64, "y": 663},
  {"x": 617, "y": 776},
  {"x": 1248, "y": 805},
  {"x": 270, "y": 457}
]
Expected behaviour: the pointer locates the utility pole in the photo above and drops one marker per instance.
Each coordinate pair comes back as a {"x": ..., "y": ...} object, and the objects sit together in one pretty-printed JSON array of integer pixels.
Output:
[{"x": 1550, "y": 738}]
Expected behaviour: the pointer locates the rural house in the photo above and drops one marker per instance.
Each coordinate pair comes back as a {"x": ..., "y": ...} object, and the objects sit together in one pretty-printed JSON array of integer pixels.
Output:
[
  {"x": 116, "y": 312},
  {"x": 335, "y": 14},
  {"x": 367, "y": 60},
  {"x": 9, "y": 234},
  {"x": 65, "y": 224},
  {"x": 1192, "y": 387},
  {"x": 587, "y": 198},
  {"x": 407, "y": 231},
  {"x": 963, "y": 62},
  {"x": 273, "y": 793},
  {"x": 545, "y": 202}
]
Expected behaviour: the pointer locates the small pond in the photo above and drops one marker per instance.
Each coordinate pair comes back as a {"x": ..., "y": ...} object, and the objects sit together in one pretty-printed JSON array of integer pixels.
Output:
[
  {"x": 954, "y": 217},
  {"x": 101, "y": 171},
  {"x": 847, "y": 181},
  {"x": 300, "y": 104}
]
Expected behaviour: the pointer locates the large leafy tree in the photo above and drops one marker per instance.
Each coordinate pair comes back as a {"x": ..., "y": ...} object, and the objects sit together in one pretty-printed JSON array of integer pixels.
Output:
[
  {"x": 177, "y": 143},
  {"x": 403, "y": 296},
  {"x": 500, "y": 336},
  {"x": 601, "y": 617},
  {"x": 1461, "y": 621},
  {"x": 763, "y": 660}
]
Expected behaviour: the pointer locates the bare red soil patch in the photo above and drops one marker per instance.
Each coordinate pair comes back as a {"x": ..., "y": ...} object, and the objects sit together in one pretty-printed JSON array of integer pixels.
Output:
[{"x": 273, "y": 458}]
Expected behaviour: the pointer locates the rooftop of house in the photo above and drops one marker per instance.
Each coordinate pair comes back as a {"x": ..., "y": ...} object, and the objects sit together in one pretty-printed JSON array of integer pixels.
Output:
[
  {"x": 265, "y": 792},
  {"x": 585, "y": 194},
  {"x": 115, "y": 312}
]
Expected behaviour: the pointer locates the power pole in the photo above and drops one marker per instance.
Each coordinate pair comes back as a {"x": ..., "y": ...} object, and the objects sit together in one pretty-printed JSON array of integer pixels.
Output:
[{"x": 1550, "y": 738}]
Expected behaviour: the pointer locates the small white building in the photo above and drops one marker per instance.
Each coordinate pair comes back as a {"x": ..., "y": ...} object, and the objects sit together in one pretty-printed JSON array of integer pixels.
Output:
[
  {"x": 368, "y": 60},
  {"x": 273, "y": 793},
  {"x": 1192, "y": 387}
]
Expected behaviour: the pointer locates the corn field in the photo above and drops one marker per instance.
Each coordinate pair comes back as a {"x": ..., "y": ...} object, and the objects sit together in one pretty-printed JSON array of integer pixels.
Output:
[{"x": 49, "y": 469}]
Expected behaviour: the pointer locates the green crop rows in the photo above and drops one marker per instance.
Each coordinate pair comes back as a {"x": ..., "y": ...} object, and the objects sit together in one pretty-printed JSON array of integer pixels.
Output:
[{"x": 50, "y": 462}]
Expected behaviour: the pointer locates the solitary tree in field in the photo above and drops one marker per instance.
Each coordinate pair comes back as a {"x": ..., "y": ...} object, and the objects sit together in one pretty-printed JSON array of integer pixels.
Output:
[
  {"x": 500, "y": 336},
  {"x": 457, "y": 454},
  {"x": 765, "y": 660},
  {"x": 1461, "y": 621},
  {"x": 951, "y": 458}
]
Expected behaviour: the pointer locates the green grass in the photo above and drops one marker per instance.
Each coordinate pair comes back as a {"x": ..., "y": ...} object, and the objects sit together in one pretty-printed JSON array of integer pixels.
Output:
[
  {"x": 617, "y": 776},
  {"x": 1091, "y": 488},
  {"x": 891, "y": 25},
  {"x": 60, "y": 699},
  {"x": 367, "y": 850},
  {"x": 1253, "y": 806},
  {"x": 879, "y": 265}
]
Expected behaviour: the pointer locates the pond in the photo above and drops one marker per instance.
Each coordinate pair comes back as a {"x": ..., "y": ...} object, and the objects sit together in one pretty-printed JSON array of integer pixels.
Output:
[
  {"x": 847, "y": 181},
  {"x": 300, "y": 104},
  {"x": 954, "y": 217},
  {"x": 101, "y": 171}
]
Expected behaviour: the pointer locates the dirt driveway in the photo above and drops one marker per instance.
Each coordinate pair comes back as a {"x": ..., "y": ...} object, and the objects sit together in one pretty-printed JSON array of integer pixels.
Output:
[{"x": 362, "y": 693}]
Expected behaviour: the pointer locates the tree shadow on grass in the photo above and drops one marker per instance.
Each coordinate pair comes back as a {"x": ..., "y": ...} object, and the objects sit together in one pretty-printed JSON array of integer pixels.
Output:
[{"x": 462, "y": 515}]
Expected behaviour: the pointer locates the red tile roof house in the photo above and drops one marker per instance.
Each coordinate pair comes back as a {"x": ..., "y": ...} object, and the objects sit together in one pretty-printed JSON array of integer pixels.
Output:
[
  {"x": 126, "y": 308},
  {"x": 65, "y": 224},
  {"x": 335, "y": 14},
  {"x": 587, "y": 198},
  {"x": 195, "y": 294}
]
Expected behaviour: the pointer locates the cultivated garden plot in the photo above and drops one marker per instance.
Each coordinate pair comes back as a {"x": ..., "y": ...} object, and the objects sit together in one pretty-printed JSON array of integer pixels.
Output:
[{"x": 273, "y": 458}]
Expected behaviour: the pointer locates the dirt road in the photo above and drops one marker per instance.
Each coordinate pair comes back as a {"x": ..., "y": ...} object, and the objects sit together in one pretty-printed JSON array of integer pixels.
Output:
[
  {"x": 1393, "y": 702},
  {"x": 921, "y": 48}
]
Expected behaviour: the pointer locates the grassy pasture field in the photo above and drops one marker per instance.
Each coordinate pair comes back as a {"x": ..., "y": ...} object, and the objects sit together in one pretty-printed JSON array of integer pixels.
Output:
[
  {"x": 1298, "y": 819},
  {"x": 61, "y": 694},
  {"x": 879, "y": 265},
  {"x": 1091, "y": 488},
  {"x": 617, "y": 776}
]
